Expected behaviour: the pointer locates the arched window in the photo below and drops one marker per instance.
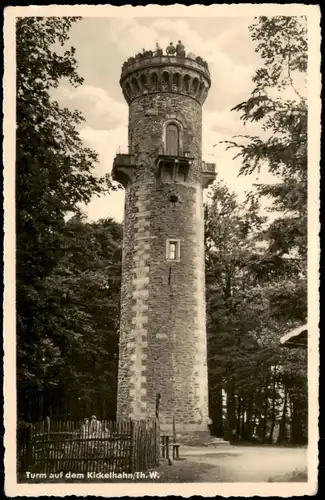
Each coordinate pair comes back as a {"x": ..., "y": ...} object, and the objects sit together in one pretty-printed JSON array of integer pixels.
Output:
[
  {"x": 172, "y": 140},
  {"x": 154, "y": 81},
  {"x": 202, "y": 89},
  {"x": 165, "y": 81},
  {"x": 135, "y": 85},
  {"x": 195, "y": 86},
  {"x": 176, "y": 81},
  {"x": 128, "y": 89},
  {"x": 143, "y": 80},
  {"x": 187, "y": 83}
]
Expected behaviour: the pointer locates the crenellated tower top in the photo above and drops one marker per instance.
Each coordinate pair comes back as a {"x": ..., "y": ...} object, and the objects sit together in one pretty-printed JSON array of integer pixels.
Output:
[{"x": 153, "y": 72}]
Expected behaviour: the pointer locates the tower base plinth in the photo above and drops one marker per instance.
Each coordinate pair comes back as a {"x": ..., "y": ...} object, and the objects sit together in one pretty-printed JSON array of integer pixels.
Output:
[{"x": 191, "y": 435}]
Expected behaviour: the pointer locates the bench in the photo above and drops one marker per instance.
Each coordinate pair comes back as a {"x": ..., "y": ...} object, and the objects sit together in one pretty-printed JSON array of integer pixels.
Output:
[
  {"x": 165, "y": 448},
  {"x": 176, "y": 451}
]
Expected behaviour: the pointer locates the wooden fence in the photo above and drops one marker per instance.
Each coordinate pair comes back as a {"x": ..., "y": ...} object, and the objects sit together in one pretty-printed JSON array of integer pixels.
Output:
[{"x": 82, "y": 447}]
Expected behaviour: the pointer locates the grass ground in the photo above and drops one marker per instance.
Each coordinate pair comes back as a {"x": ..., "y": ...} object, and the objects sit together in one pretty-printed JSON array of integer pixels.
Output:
[
  {"x": 182, "y": 471},
  {"x": 296, "y": 476}
]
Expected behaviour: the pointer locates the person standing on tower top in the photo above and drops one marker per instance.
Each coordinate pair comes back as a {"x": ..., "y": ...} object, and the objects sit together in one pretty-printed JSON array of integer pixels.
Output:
[
  {"x": 170, "y": 51},
  {"x": 159, "y": 51},
  {"x": 180, "y": 49}
]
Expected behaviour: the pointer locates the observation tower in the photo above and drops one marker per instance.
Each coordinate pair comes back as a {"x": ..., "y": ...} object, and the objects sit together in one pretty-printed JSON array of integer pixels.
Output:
[{"x": 162, "y": 345}]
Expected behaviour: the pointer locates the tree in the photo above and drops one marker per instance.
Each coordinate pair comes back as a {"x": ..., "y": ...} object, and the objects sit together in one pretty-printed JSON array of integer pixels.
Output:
[
  {"x": 78, "y": 371},
  {"x": 282, "y": 149},
  {"x": 262, "y": 382},
  {"x": 280, "y": 270},
  {"x": 235, "y": 303},
  {"x": 54, "y": 174}
]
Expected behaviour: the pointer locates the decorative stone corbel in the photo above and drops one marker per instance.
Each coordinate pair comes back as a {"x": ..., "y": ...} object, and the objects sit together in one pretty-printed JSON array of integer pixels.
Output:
[
  {"x": 124, "y": 175},
  {"x": 208, "y": 174}
]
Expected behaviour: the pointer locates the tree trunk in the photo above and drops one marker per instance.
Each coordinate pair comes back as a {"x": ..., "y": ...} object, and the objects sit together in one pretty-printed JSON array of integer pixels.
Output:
[
  {"x": 270, "y": 436},
  {"x": 243, "y": 423},
  {"x": 257, "y": 408},
  {"x": 239, "y": 414},
  {"x": 298, "y": 427},
  {"x": 265, "y": 408},
  {"x": 273, "y": 416},
  {"x": 216, "y": 412},
  {"x": 231, "y": 416},
  {"x": 282, "y": 438},
  {"x": 41, "y": 404},
  {"x": 249, "y": 425},
  {"x": 29, "y": 414}
]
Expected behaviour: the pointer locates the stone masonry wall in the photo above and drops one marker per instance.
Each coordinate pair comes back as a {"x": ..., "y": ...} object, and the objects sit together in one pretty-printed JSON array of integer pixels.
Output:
[
  {"x": 163, "y": 332},
  {"x": 134, "y": 306}
]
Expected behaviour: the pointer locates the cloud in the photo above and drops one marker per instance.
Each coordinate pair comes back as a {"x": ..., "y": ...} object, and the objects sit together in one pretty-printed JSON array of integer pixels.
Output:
[
  {"x": 130, "y": 36},
  {"x": 223, "y": 126},
  {"x": 105, "y": 143},
  {"x": 96, "y": 104},
  {"x": 220, "y": 126},
  {"x": 230, "y": 36},
  {"x": 230, "y": 54},
  {"x": 229, "y": 78},
  {"x": 111, "y": 205}
]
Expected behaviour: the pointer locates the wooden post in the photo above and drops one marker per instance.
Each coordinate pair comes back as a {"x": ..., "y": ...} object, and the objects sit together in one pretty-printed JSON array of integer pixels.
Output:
[
  {"x": 163, "y": 446},
  {"x": 28, "y": 452},
  {"x": 158, "y": 398},
  {"x": 174, "y": 430},
  {"x": 167, "y": 447},
  {"x": 132, "y": 447},
  {"x": 157, "y": 437},
  {"x": 175, "y": 451}
]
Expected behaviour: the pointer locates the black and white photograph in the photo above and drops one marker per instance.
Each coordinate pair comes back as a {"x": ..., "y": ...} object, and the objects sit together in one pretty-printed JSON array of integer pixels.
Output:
[{"x": 161, "y": 250}]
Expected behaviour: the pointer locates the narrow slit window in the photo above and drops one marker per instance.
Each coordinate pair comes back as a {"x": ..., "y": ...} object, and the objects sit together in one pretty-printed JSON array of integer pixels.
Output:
[{"x": 173, "y": 252}]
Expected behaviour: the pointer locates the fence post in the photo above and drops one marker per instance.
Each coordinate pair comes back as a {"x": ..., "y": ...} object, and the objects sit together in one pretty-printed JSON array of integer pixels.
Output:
[
  {"x": 174, "y": 430},
  {"x": 157, "y": 428},
  {"x": 48, "y": 425},
  {"x": 28, "y": 459},
  {"x": 132, "y": 447},
  {"x": 167, "y": 447}
]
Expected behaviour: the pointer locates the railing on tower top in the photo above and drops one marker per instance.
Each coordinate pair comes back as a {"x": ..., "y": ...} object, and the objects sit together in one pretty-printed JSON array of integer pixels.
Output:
[
  {"x": 189, "y": 60},
  {"x": 123, "y": 150},
  {"x": 124, "y": 157}
]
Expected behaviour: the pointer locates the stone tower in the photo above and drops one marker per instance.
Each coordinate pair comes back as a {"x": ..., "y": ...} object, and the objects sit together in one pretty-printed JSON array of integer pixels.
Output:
[{"x": 162, "y": 344}]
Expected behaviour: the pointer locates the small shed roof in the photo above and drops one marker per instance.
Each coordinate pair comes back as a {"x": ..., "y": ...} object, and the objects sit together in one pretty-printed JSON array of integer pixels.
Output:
[{"x": 295, "y": 338}]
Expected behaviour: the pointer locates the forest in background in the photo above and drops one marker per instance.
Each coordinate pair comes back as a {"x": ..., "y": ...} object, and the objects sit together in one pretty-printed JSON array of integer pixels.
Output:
[{"x": 69, "y": 269}]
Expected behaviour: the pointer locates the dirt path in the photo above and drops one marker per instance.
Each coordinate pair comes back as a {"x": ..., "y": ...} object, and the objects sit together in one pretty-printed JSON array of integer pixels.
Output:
[
  {"x": 227, "y": 464},
  {"x": 250, "y": 464}
]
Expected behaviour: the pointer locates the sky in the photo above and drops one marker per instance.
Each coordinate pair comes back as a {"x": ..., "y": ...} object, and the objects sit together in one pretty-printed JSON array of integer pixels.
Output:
[{"x": 103, "y": 44}]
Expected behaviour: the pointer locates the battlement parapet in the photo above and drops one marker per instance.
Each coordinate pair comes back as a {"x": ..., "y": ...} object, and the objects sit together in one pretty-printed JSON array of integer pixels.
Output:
[{"x": 173, "y": 74}]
